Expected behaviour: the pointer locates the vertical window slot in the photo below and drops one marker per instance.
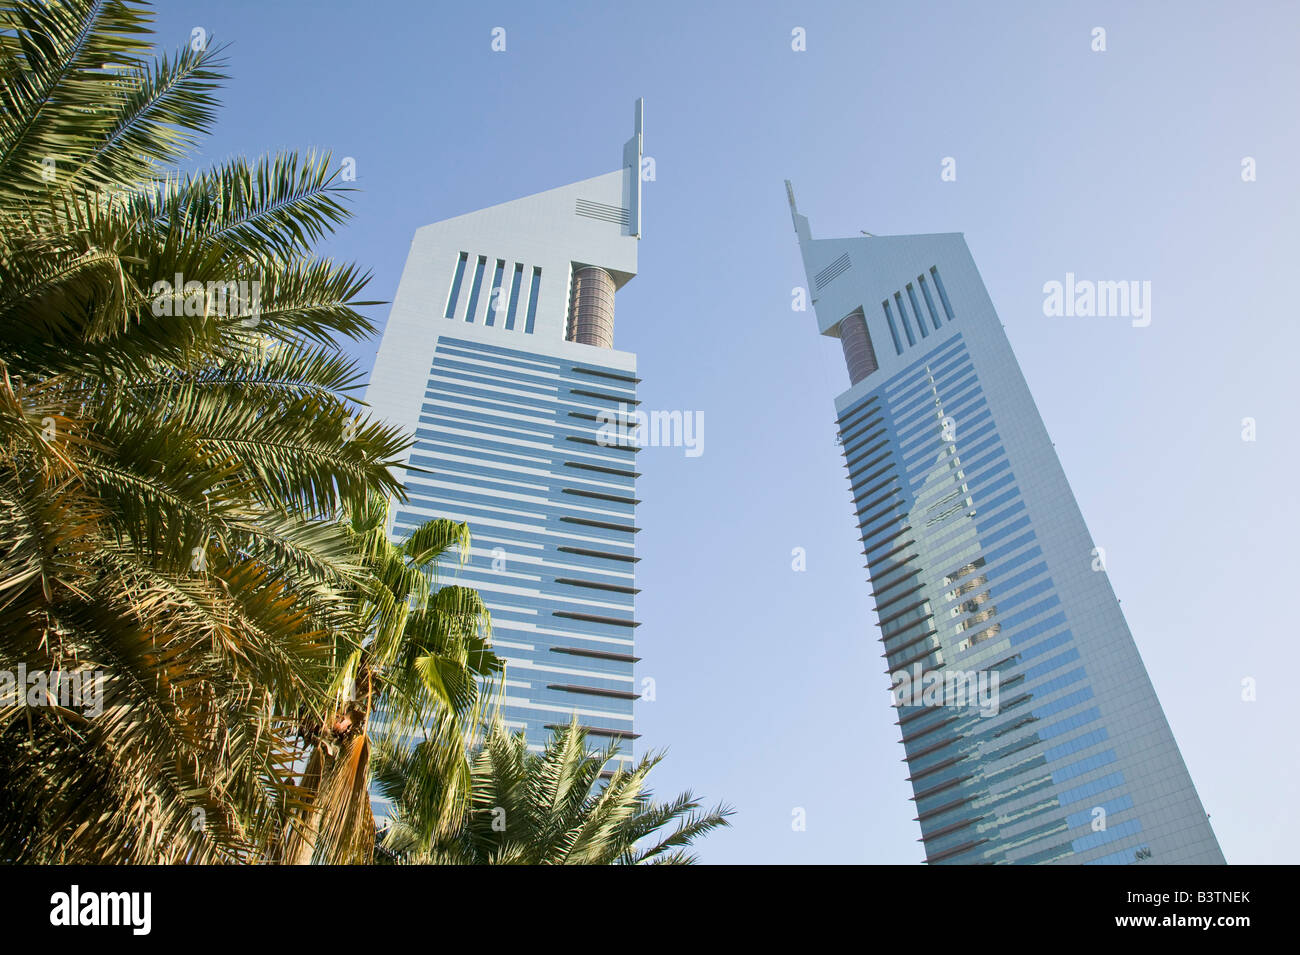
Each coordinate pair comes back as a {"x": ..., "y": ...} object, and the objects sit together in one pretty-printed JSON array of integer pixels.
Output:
[
  {"x": 474, "y": 289},
  {"x": 916, "y": 310},
  {"x": 532, "y": 300},
  {"x": 514, "y": 296},
  {"x": 943, "y": 295},
  {"x": 495, "y": 304},
  {"x": 454, "y": 295},
  {"x": 902, "y": 317},
  {"x": 929, "y": 302},
  {"x": 893, "y": 329}
]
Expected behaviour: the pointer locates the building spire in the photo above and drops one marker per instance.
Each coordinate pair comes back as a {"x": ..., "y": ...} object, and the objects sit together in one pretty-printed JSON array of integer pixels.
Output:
[
  {"x": 632, "y": 157},
  {"x": 800, "y": 222}
]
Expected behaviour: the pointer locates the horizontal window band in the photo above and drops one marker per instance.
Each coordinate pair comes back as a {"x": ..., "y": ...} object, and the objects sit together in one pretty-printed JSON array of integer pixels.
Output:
[
  {"x": 597, "y": 553},
  {"x": 850, "y": 447},
  {"x": 1012, "y": 749},
  {"x": 885, "y": 540},
  {"x": 915, "y": 658},
  {"x": 919, "y": 585},
  {"x": 851, "y": 418},
  {"x": 597, "y": 654},
  {"x": 859, "y": 463},
  {"x": 606, "y": 374},
  {"x": 937, "y": 767},
  {"x": 861, "y": 439},
  {"x": 898, "y": 580},
  {"x": 896, "y": 490},
  {"x": 860, "y": 450},
  {"x": 924, "y": 622},
  {"x": 603, "y": 497},
  {"x": 917, "y": 797},
  {"x": 1015, "y": 726},
  {"x": 859, "y": 495},
  {"x": 899, "y": 613},
  {"x": 603, "y": 470},
  {"x": 622, "y": 399},
  {"x": 903, "y": 646},
  {"x": 876, "y": 519},
  {"x": 856, "y": 454},
  {"x": 605, "y": 417},
  {"x": 603, "y": 524},
  {"x": 858, "y": 429},
  {"x": 1023, "y": 697},
  {"x": 595, "y": 585},
  {"x": 988, "y": 633},
  {"x": 929, "y": 729},
  {"x": 887, "y": 469},
  {"x": 593, "y": 618},
  {"x": 852, "y": 438},
  {"x": 946, "y": 807},
  {"x": 964, "y": 847},
  {"x": 601, "y": 444},
  {"x": 594, "y": 691},
  {"x": 879, "y": 557},
  {"x": 918, "y": 711},
  {"x": 1013, "y": 681},
  {"x": 932, "y": 748},
  {"x": 597, "y": 731},
  {"x": 889, "y": 472},
  {"x": 940, "y": 353}
]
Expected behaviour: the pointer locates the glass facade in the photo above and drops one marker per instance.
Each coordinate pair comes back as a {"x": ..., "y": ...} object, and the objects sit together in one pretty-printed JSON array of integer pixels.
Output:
[
  {"x": 961, "y": 584},
  {"x": 517, "y": 433},
  {"x": 1031, "y": 731},
  {"x": 513, "y": 445}
]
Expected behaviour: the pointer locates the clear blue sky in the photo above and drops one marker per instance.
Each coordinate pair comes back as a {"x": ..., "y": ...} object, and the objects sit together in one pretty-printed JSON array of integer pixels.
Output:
[{"x": 1117, "y": 165}]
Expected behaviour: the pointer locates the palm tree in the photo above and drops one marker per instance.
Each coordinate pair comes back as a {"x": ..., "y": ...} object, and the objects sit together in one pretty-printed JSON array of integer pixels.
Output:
[
  {"x": 402, "y": 698},
  {"x": 173, "y": 453},
  {"x": 551, "y": 808}
]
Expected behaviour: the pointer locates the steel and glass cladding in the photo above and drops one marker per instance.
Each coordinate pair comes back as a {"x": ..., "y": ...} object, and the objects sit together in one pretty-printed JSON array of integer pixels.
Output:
[
  {"x": 516, "y": 434},
  {"x": 1031, "y": 730},
  {"x": 511, "y": 443}
]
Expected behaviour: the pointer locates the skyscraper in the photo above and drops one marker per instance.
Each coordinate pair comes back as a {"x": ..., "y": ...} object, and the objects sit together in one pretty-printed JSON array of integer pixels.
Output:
[
  {"x": 499, "y": 355},
  {"x": 1031, "y": 730}
]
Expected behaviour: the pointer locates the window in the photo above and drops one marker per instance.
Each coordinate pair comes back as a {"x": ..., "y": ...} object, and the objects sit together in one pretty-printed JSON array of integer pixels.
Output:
[
  {"x": 893, "y": 329},
  {"x": 532, "y": 300},
  {"x": 943, "y": 295},
  {"x": 474, "y": 289},
  {"x": 514, "y": 296},
  {"x": 495, "y": 304},
  {"x": 454, "y": 295}
]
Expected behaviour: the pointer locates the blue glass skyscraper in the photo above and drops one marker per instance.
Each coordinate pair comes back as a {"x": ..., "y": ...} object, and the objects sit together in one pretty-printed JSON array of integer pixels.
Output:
[
  {"x": 498, "y": 354},
  {"x": 1031, "y": 730}
]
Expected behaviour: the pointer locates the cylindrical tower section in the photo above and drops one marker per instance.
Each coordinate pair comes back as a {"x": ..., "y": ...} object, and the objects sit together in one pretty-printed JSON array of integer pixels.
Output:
[
  {"x": 856, "y": 342},
  {"x": 591, "y": 309}
]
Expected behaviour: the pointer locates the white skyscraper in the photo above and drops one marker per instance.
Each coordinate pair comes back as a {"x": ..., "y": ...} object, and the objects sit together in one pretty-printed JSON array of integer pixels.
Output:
[
  {"x": 498, "y": 354},
  {"x": 985, "y": 578}
]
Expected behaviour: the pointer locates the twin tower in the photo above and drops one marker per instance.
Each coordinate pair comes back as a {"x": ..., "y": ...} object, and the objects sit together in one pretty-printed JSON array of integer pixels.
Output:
[{"x": 1031, "y": 730}]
